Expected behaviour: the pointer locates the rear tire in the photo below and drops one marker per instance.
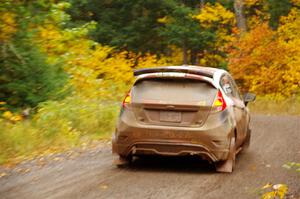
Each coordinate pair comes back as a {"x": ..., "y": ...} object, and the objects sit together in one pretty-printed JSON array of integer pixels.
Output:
[{"x": 228, "y": 165}]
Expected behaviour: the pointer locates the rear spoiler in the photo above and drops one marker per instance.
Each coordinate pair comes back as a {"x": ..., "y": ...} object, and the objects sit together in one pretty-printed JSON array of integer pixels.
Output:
[{"x": 203, "y": 71}]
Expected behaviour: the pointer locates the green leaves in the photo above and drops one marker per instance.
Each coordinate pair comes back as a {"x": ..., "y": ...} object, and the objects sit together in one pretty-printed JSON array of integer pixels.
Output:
[
  {"x": 278, "y": 9},
  {"x": 292, "y": 166},
  {"x": 26, "y": 77}
]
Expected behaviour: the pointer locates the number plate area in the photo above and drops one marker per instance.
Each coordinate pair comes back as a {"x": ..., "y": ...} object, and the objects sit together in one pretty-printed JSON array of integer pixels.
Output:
[{"x": 170, "y": 116}]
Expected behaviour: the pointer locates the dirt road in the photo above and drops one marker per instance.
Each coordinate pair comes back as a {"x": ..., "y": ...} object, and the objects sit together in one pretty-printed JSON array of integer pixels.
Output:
[{"x": 275, "y": 140}]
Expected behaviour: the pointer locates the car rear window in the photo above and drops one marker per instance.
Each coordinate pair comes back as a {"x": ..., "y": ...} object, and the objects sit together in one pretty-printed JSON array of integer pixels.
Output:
[{"x": 181, "y": 91}]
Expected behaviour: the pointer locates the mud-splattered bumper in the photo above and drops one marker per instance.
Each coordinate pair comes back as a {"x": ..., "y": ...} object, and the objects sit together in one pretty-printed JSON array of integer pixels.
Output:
[{"x": 211, "y": 141}]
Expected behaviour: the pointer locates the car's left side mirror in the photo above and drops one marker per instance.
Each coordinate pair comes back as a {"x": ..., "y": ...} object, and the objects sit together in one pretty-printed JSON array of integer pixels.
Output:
[{"x": 249, "y": 97}]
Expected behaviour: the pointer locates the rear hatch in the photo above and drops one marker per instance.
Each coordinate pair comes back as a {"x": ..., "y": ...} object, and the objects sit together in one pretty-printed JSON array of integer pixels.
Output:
[{"x": 172, "y": 102}]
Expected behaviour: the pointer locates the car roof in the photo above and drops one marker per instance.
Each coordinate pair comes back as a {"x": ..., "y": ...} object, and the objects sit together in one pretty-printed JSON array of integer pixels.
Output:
[{"x": 197, "y": 70}]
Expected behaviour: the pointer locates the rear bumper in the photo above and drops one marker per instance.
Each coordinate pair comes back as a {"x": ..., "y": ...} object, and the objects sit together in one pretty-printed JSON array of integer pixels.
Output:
[
  {"x": 168, "y": 149},
  {"x": 210, "y": 141}
]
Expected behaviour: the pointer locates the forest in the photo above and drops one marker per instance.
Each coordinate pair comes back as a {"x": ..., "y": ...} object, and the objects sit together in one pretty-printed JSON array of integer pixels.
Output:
[{"x": 66, "y": 65}]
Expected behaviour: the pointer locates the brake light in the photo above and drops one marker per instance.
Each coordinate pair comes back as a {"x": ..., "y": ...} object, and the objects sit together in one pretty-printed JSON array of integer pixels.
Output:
[
  {"x": 127, "y": 100},
  {"x": 219, "y": 102}
]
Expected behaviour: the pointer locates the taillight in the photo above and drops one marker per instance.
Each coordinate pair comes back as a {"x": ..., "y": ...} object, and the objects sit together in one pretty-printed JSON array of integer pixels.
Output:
[
  {"x": 219, "y": 102},
  {"x": 127, "y": 100}
]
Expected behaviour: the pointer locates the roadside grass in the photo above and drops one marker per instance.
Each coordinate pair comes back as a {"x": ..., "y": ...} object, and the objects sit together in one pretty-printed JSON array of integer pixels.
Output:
[
  {"x": 273, "y": 105},
  {"x": 57, "y": 126}
]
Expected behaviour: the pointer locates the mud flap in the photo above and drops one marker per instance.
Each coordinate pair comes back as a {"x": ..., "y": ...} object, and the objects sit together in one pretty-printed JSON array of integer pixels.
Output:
[
  {"x": 121, "y": 161},
  {"x": 227, "y": 166},
  {"x": 246, "y": 144}
]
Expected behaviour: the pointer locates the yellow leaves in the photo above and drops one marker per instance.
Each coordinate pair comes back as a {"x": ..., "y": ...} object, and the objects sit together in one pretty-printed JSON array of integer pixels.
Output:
[
  {"x": 103, "y": 186},
  {"x": 8, "y": 26},
  {"x": 57, "y": 159},
  {"x": 290, "y": 25},
  {"x": 62, "y": 5},
  {"x": 251, "y": 2},
  {"x": 274, "y": 191},
  {"x": 288, "y": 37},
  {"x": 267, "y": 61},
  {"x": 268, "y": 185},
  {"x": 11, "y": 117},
  {"x": 256, "y": 60},
  {"x": 16, "y": 118},
  {"x": 210, "y": 14},
  {"x": 295, "y": 2},
  {"x": 211, "y": 59},
  {"x": 7, "y": 115},
  {"x": 163, "y": 20},
  {"x": 221, "y": 21},
  {"x": 83, "y": 58},
  {"x": 23, "y": 170},
  {"x": 3, "y": 174},
  {"x": 257, "y": 12},
  {"x": 95, "y": 70},
  {"x": 149, "y": 60}
]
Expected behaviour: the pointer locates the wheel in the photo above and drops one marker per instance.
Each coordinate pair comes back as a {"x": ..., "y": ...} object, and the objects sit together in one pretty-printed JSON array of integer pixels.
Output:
[
  {"x": 228, "y": 165},
  {"x": 121, "y": 161}
]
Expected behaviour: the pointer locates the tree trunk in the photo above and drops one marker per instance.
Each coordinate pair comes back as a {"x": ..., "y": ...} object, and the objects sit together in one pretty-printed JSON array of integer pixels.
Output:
[
  {"x": 239, "y": 14},
  {"x": 194, "y": 60},
  {"x": 185, "y": 55}
]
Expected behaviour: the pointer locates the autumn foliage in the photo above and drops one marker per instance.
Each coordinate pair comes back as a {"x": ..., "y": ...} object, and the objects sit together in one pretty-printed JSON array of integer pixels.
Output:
[{"x": 266, "y": 61}]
